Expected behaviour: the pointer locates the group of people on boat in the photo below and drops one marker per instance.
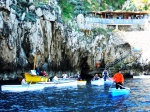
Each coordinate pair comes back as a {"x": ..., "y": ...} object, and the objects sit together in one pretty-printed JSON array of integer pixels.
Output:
[
  {"x": 105, "y": 75},
  {"x": 40, "y": 73},
  {"x": 118, "y": 77},
  {"x": 56, "y": 80}
]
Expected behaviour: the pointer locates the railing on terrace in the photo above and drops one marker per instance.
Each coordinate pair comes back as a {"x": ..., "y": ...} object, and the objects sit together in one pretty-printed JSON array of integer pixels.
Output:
[{"x": 115, "y": 21}]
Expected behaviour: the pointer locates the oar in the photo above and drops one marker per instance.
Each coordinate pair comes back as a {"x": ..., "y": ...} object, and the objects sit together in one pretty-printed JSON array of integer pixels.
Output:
[
  {"x": 57, "y": 82},
  {"x": 111, "y": 85},
  {"x": 124, "y": 87},
  {"x": 29, "y": 85}
]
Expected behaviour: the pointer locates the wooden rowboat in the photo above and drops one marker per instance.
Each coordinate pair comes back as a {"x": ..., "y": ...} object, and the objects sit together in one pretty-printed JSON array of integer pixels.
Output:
[
  {"x": 20, "y": 88},
  {"x": 32, "y": 77},
  {"x": 81, "y": 82},
  {"x": 60, "y": 83},
  {"x": 142, "y": 76},
  {"x": 97, "y": 82},
  {"x": 35, "y": 78},
  {"x": 108, "y": 81}
]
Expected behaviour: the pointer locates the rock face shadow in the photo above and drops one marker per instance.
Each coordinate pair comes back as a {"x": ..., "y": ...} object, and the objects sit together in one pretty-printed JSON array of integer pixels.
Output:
[{"x": 85, "y": 72}]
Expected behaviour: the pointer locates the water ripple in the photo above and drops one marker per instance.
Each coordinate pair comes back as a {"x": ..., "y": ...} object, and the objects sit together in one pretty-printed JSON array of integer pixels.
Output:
[{"x": 79, "y": 99}]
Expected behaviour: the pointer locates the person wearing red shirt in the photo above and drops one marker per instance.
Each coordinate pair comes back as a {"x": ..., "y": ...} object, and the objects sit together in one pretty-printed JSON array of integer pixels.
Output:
[
  {"x": 43, "y": 73},
  {"x": 118, "y": 79}
]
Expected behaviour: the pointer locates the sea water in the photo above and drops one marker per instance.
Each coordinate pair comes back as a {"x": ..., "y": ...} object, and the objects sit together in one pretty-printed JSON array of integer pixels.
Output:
[{"x": 79, "y": 99}]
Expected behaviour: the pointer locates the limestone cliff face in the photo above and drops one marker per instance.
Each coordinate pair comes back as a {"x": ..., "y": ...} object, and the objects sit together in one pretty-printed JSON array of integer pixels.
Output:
[{"x": 27, "y": 29}]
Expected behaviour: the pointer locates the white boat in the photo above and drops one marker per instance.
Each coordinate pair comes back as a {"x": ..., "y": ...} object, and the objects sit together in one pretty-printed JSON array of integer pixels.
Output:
[
  {"x": 97, "y": 82},
  {"x": 101, "y": 81},
  {"x": 142, "y": 76},
  {"x": 62, "y": 83},
  {"x": 20, "y": 88},
  {"x": 47, "y": 84},
  {"x": 117, "y": 92},
  {"x": 108, "y": 81},
  {"x": 80, "y": 83}
]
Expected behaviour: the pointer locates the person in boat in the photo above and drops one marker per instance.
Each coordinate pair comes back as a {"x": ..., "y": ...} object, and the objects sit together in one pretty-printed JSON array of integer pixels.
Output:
[
  {"x": 23, "y": 82},
  {"x": 105, "y": 74},
  {"x": 96, "y": 77},
  {"x": 78, "y": 77},
  {"x": 51, "y": 79},
  {"x": 38, "y": 71},
  {"x": 64, "y": 75},
  {"x": 43, "y": 73},
  {"x": 118, "y": 79},
  {"x": 55, "y": 79}
]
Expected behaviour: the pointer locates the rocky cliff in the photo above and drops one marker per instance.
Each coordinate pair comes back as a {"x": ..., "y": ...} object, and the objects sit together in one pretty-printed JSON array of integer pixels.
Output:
[{"x": 27, "y": 29}]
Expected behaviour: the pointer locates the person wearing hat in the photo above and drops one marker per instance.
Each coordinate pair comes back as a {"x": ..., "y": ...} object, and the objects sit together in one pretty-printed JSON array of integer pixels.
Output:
[{"x": 118, "y": 79}]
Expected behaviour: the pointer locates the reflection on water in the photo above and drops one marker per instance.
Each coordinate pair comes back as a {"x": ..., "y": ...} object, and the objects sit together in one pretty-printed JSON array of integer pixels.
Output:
[{"x": 79, "y": 99}]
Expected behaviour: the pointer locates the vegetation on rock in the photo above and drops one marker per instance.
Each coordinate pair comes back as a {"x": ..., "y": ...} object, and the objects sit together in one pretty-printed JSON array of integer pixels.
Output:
[{"x": 71, "y": 8}]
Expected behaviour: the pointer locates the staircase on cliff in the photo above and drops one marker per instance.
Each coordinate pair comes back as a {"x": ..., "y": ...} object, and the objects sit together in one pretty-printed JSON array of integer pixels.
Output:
[
  {"x": 137, "y": 39},
  {"x": 140, "y": 40},
  {"x": 111, "y": 64}
]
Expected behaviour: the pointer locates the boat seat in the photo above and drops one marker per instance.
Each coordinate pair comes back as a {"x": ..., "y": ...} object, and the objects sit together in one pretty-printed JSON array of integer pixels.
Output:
[{"x": 33, "y": 72}]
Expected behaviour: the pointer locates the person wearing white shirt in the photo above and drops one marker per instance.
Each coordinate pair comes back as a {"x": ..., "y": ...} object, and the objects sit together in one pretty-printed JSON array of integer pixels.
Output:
[
  {"x": 64, "y": 76},
  {"x": 55, "y": 79},
  {"x": 23, "y": 82}
]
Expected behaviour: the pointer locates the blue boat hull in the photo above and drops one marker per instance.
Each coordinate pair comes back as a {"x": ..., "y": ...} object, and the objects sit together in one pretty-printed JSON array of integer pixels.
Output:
[{"x": 118, "y": 92}]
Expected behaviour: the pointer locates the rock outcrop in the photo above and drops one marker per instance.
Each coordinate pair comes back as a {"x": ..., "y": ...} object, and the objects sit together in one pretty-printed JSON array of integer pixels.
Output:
[{"x": 27, "y": 29}]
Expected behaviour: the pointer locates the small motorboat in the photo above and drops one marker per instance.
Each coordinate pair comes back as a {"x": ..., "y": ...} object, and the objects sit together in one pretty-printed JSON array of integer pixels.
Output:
[
  {"x": 97, "y": 82},
  {"x": 20, "y": 88},
  {"x": 117, "y": 92}
]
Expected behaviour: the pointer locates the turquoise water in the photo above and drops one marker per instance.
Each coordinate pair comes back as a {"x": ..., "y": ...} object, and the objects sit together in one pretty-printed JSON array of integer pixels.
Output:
[{"x": 79, "y": 99}]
